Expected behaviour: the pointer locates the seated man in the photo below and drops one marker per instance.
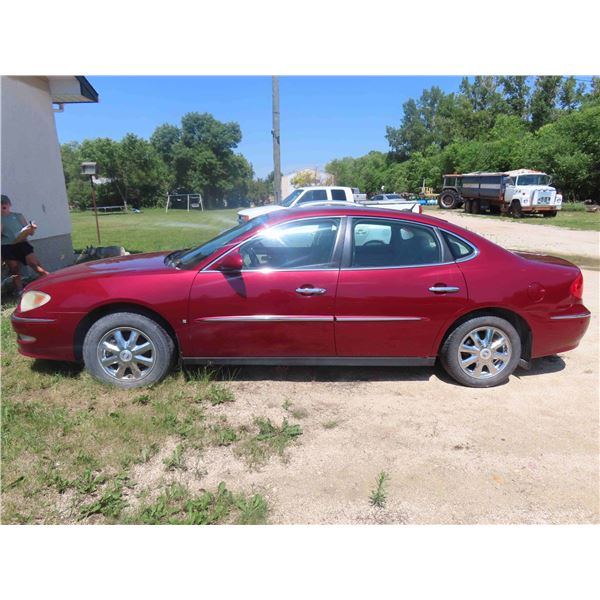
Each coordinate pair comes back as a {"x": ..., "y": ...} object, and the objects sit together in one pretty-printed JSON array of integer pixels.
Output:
[{"x": 15, "y": 248}]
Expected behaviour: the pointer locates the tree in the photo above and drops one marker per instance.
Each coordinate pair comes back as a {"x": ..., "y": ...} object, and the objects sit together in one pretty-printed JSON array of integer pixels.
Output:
[
  {"x": 543, "y": 100},
  {"x": 304, "y": 178},
  {"x": 516, "y": 94}
]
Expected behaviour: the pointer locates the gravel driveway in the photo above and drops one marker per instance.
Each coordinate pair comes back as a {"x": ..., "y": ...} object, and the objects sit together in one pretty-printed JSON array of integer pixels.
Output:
[{"x": 525, "y": 452}]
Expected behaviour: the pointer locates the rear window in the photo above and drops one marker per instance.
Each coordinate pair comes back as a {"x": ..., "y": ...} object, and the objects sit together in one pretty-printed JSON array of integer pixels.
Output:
[
  {"x": 338, "y": 195},
  {"x": 458, "y": 247}
]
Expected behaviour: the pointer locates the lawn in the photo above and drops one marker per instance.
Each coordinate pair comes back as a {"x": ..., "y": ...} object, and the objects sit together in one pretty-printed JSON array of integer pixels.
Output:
[
  {"x": 152, "y": 229},
  {"x": 76, "y": 451},
  {"x": 571, "y": 216}
]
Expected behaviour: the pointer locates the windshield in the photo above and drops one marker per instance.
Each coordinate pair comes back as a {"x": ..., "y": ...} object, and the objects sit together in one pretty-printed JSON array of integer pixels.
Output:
[
  {"x": 533, "y": 180},
  {"x": 190, "y": 258},
  {"x": 393, "y": 196},
  {"x": 290, "y": 199}
]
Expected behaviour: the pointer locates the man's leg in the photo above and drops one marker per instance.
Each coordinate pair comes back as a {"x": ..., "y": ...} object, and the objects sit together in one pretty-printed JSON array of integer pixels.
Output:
[
  {"x": 34, "y": 263},
  {"x": 14, "y": 268}
]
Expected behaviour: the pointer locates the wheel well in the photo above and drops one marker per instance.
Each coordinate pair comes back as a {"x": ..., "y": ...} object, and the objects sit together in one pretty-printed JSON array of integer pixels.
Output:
[
  {"x": 101, "y": 311},
  {"x": 513, "y": 318}
]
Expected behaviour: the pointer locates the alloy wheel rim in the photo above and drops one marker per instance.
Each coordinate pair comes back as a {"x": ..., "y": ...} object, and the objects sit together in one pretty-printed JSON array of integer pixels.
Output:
[
  {"x": 126, "y": 354},
  {"x": 484, "y": 352}
]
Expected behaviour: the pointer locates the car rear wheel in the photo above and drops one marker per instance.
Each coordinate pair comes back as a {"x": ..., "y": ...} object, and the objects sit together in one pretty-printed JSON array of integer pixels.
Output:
[
  {"x": 482, "y": 352},
  {"x": 128, "y": 350}
]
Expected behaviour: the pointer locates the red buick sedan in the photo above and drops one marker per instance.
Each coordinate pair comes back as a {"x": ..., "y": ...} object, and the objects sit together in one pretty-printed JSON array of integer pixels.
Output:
[{"x": 311, "y": 286}]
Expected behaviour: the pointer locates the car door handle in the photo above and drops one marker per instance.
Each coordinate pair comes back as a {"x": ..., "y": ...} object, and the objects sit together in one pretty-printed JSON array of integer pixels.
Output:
[
  {"x": 310, "y": 291},
  {"x": 444, "y": 289}
]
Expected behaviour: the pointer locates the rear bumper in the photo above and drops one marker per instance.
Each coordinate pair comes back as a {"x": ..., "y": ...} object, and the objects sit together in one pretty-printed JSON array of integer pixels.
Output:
[
  {"x": 50, "y": 337},
  {"x": 560, "y": 332}
]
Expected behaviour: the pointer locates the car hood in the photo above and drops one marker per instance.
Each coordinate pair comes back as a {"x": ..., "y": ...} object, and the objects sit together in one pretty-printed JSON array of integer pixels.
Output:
[
  {"x": 152, "y": 262},
  {"x": 259, "y": 210}
]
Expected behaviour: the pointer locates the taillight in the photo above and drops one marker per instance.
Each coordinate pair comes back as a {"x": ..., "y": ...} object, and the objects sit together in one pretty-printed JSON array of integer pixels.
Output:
[
  {"x": 577, "y": 287},
  {"x": 420, "y": 209}
]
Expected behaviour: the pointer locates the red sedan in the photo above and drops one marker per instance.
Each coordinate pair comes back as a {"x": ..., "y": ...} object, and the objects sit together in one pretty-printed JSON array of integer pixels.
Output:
[{"x": 311, "y": 286}]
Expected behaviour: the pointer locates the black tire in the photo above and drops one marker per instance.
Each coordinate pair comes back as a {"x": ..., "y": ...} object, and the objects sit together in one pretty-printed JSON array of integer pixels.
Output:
[
  {"x": 451, "y": 357},
  {"x": 494, "y": 209},
  {"x": 449, "y": 199},
  {"x": 468, "y": 206},
  {"x": 516, "y": 210},
  {"x": 154, "y": 345},
  {"x": 475, "y": 206},
  {"x": 549, "y": 214}
]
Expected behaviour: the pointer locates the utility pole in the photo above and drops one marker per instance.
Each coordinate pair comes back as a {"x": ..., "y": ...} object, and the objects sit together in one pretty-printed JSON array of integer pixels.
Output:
[{"x": 276, "y": 142}]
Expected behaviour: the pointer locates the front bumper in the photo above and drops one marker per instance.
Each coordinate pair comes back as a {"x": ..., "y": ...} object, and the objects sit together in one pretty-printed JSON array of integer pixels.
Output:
[{"x": 49, "y": 337}]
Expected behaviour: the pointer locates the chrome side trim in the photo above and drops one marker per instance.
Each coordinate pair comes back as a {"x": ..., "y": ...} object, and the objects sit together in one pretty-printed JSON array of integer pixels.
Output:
[
  {"x": 262, "y": 318},
  {"x": 344, "y": 319},
  {"x": 30, "y": 320},
  {"x": 579, "y": 316}
]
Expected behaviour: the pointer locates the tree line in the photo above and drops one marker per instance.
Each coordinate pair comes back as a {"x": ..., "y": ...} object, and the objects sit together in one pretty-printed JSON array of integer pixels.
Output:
[
  {"x": 548, "y": 123},
  {"x": 196, "y": 157}
]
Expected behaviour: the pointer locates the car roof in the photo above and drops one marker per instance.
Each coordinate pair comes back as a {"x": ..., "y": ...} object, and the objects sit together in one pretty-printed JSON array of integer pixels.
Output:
[{"x": 356, "y": 210}]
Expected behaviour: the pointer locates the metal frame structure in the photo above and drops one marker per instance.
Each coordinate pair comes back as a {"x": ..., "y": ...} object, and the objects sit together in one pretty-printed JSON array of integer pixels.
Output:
[{"x": 189, "y": 197}]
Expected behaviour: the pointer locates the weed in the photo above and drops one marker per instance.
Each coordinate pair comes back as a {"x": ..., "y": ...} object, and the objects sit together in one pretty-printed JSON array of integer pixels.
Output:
[
  {"x": 299, "y": 413},
  {"x": 175, "y": 461},
  {"x": 378, "y": 496},
  {"x": 269, "y": 440},
  {"x": 88, "y": 482},
  {"x": 143, "y": 399},
  {"x": 217, "y": 394},
  {"x": 175, "y": 506},
  {"x": 110, "y": 504},
  {"x": 330, "y": 424},
  {"x": 223, "y": 436},
  {"x": 286, "y": 405},
  {"x": 147, "y": 453}
]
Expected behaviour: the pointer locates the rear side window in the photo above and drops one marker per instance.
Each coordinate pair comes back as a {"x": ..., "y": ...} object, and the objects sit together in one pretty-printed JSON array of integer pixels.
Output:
[
  {"x": 382, "y": 243},
  {"x": 458, "y": 248},
  {"x": 313, "y": 196},
  {"x": 338, "y": 195}
]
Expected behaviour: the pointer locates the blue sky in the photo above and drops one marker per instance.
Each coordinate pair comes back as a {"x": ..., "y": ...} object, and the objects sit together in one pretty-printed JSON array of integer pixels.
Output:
[{"x": 321, "y": 117}]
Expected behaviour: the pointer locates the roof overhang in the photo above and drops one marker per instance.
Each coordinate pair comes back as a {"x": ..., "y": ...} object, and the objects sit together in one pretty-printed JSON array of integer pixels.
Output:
[{"x": 71, "y": 90}]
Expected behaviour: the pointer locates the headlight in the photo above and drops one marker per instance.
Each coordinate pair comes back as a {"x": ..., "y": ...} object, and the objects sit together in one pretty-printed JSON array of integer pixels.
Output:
[{"x": 31, "y": 300}]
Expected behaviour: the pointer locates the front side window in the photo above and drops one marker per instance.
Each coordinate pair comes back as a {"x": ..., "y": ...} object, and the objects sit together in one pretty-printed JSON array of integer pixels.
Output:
[
  {"x": 313, "y": 196},
  {"x": 382, "y": 243},
  {"x": 307, "y": 244}
]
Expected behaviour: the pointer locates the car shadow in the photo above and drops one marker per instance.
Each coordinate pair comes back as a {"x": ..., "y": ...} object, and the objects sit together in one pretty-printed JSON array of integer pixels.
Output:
[
  {"x": 539, "y": 366},
  {"x": 55, "y": 367},
  {"x": 329, "y": 374}
]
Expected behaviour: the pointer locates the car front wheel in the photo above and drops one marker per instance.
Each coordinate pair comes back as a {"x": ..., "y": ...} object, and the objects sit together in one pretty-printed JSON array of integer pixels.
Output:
[
  {"x": 482, "y": 352},
  {"x": 128, "y": 350}
]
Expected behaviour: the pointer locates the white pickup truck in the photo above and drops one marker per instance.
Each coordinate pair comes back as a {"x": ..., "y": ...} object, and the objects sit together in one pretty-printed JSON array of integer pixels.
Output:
[{"x": 326, "y": 195}]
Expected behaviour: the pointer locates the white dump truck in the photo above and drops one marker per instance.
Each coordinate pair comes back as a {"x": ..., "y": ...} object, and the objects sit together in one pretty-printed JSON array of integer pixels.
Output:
[
  {"x": 326, "y": 195},
  {"x": 514, "y": 192}
]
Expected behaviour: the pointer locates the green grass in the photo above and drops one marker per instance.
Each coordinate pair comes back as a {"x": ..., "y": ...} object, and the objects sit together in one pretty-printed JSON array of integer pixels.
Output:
[
  {"x": 70, "y": 446},
  {"x": 151, "y": 230},
  {"x": 378, "y": 496},
  {"x": 571, "y": 216}
]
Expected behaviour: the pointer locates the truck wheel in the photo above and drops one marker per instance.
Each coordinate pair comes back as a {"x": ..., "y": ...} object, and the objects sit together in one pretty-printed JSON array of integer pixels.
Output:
[
  {"x": 516, "y": 210},
  {"x": 550, "y": 213},
  {"x": 482, "y": 352},
  {"x": 467, "y": 206},
  {"x": 494, "y": 209},
  {"x": 449, "y": 199},
  {"x": 475, "y": 206},
  {"x": 128, "y": 350}
]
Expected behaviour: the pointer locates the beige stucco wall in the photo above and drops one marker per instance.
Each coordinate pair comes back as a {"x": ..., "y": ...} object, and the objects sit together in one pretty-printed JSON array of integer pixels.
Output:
[{"x": 31, "y": 169}]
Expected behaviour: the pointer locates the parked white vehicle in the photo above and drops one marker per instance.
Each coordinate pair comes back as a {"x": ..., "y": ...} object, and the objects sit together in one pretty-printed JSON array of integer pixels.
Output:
[{"x": 325, "y": 194}]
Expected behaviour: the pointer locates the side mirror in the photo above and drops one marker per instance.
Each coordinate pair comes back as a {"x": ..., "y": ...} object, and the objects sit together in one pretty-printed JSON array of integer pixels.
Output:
[{"x": 231, "y": 263}]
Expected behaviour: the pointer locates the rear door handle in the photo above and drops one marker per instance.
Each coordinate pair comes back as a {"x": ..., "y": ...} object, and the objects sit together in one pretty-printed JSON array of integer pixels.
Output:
[
  {"x": 444, "y": 289},
  {"x": 310, "y": 291}
]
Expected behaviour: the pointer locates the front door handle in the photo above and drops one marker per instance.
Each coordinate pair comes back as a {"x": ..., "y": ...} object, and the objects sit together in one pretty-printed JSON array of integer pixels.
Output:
[
  {"x": 310, "y": 291},
  {"x": 444, "y": 289}
]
